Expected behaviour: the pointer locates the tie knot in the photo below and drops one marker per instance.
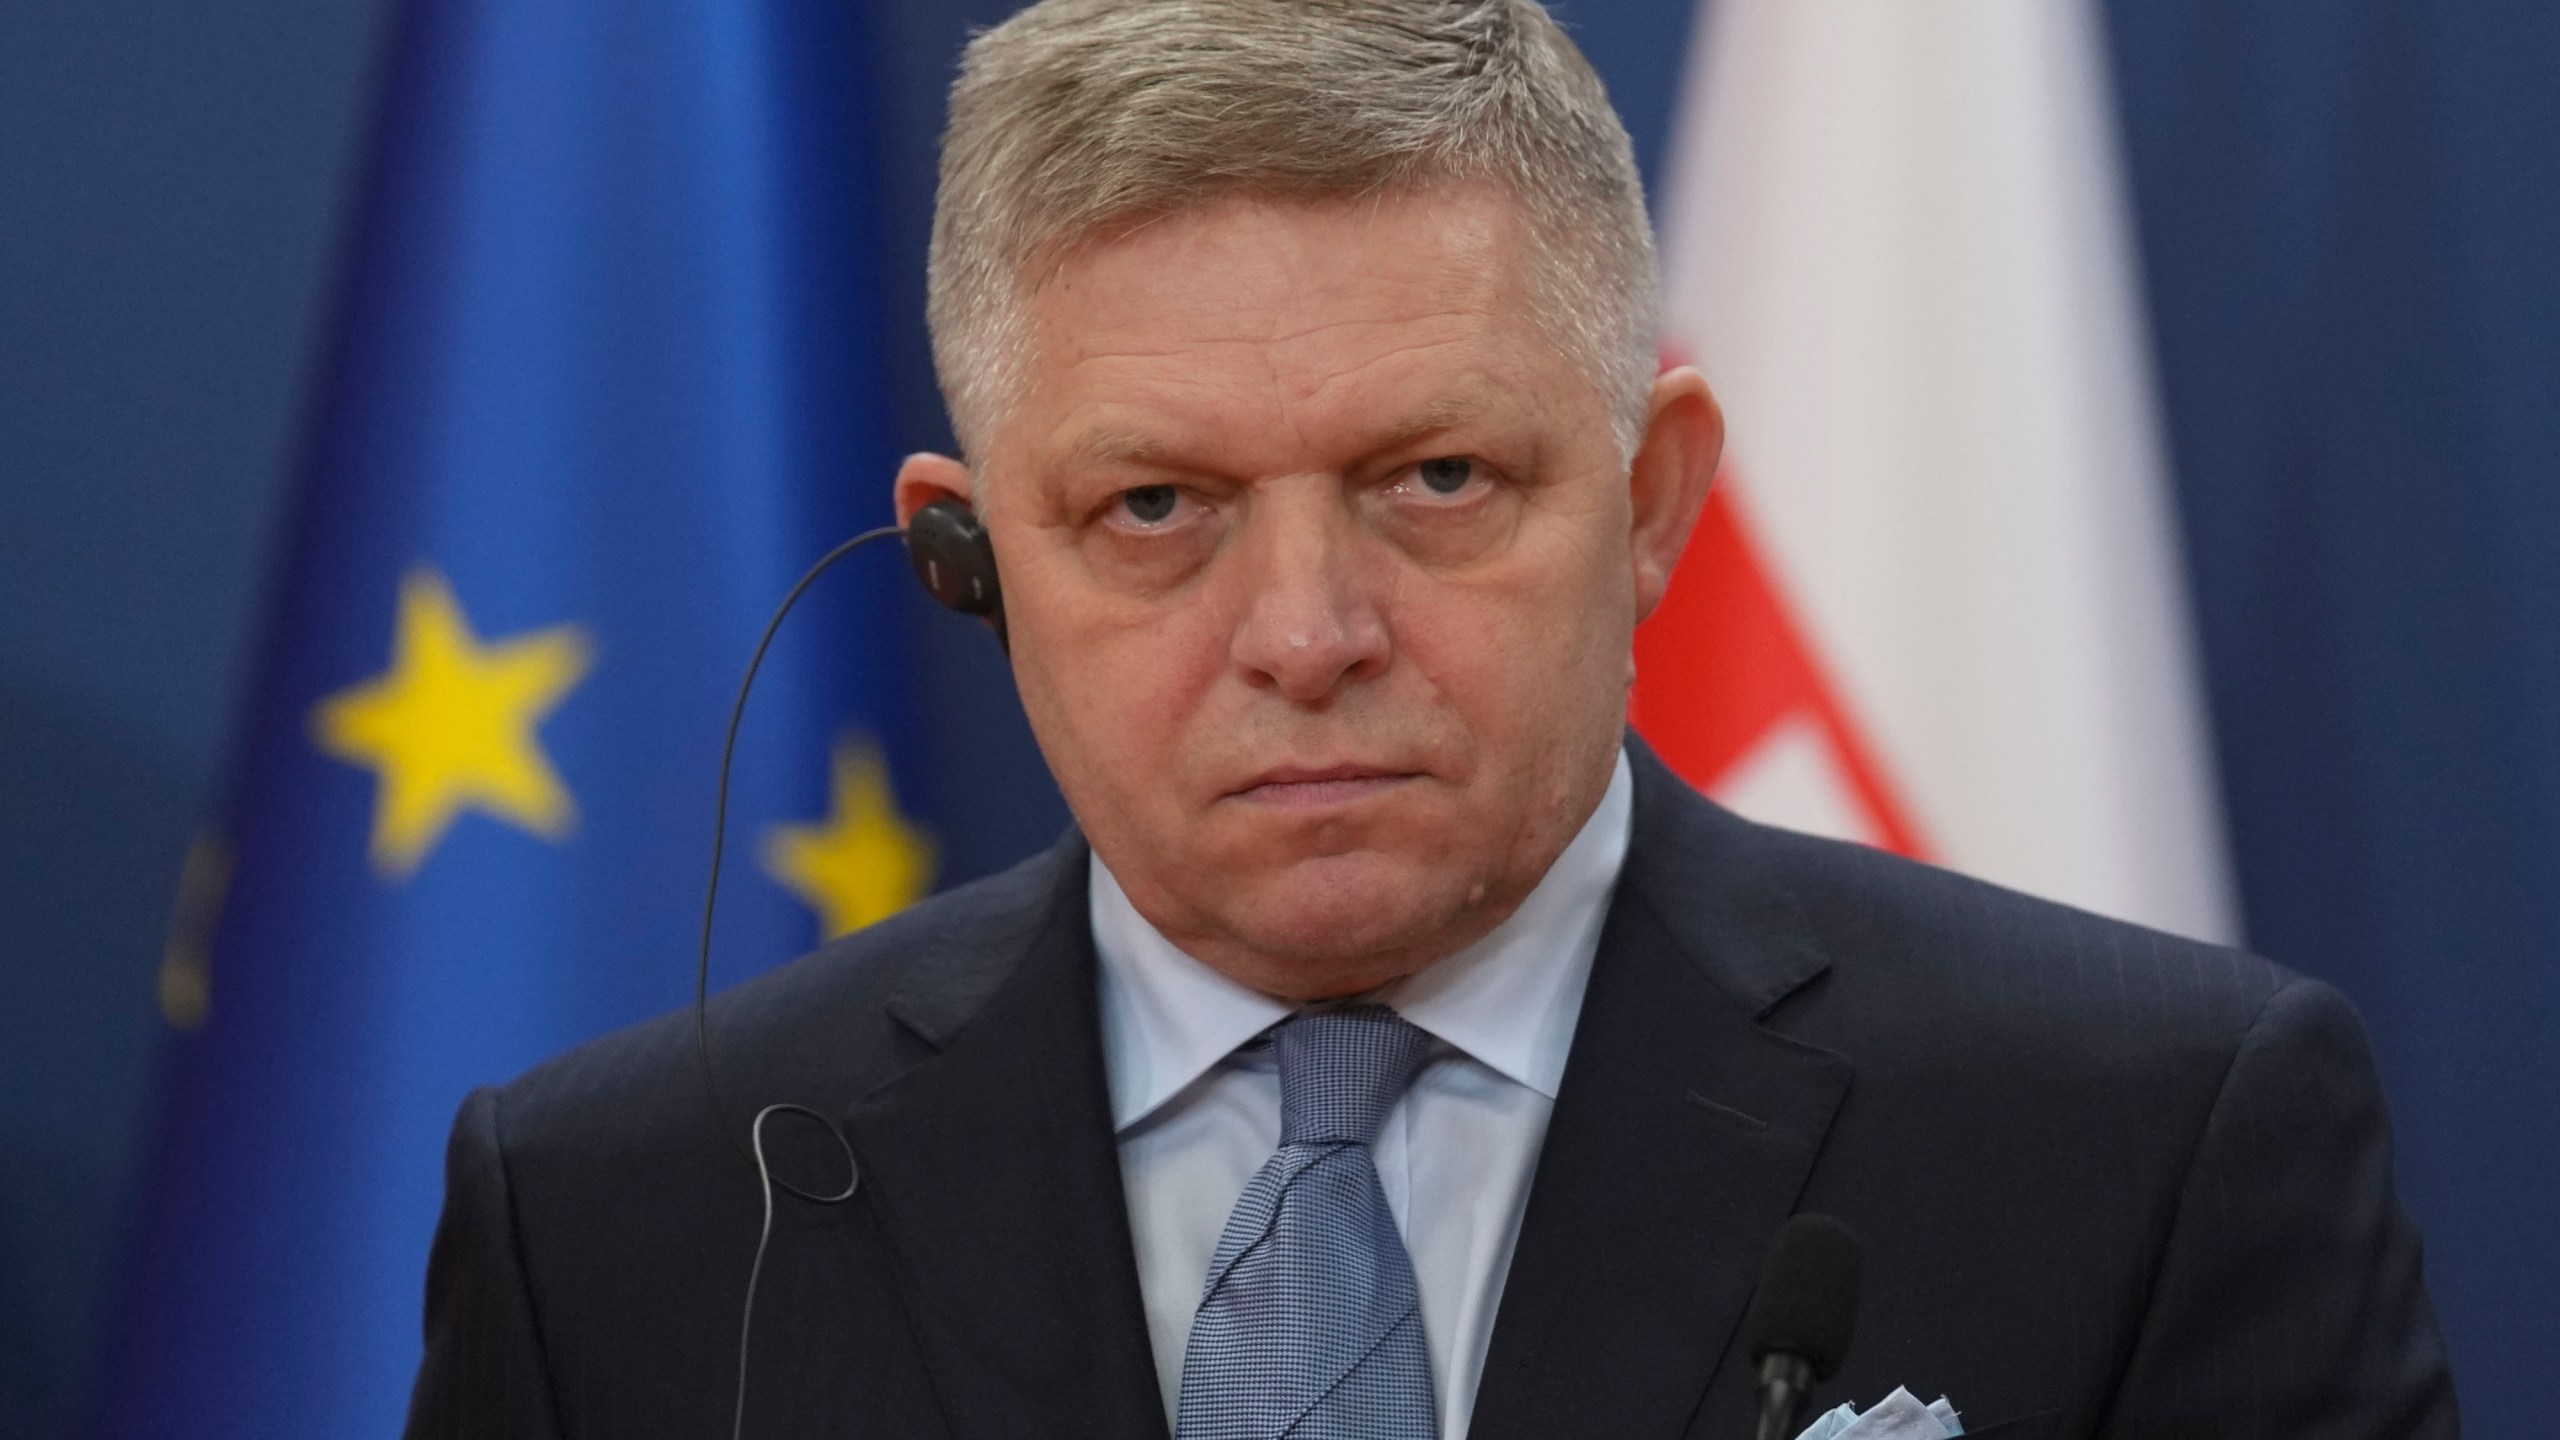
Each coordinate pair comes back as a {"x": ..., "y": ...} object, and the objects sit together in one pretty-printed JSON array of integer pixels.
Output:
[{"x": 1341, "y": 1071}]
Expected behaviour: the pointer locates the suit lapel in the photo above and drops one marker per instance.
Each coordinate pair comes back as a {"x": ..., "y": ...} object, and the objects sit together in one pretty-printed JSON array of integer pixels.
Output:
[
  {"x": 1682, "y": 1134},
  {"x": 993, "y": 1170}
]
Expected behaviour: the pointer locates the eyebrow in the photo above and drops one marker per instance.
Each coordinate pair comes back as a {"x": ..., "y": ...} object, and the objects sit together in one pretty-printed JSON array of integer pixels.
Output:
[
  {"x": 1115, "y": 447},
  {"x": 1131, "y": 447}
]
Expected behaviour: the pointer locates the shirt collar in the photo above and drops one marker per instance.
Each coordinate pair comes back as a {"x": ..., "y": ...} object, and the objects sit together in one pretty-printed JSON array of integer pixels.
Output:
[{"x": 1509, "y": 1000}]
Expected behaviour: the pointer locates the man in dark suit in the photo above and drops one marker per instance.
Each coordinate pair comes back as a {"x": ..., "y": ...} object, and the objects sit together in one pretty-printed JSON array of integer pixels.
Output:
[{"x": 1396, "y": 1049}]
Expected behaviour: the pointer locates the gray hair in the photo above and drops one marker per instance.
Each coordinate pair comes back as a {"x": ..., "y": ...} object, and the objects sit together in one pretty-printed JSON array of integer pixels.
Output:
[{"x": 1077, "y": 119}]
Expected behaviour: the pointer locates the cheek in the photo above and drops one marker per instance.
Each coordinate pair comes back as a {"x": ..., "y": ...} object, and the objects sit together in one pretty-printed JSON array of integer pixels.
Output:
[
  {"x": 1533, "y": 656},
  {"x": 1110, "y": 688}
]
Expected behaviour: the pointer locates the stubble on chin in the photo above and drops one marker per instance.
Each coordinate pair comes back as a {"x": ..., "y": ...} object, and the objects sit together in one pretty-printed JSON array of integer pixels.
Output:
[{"x": 1301, "y": 932}]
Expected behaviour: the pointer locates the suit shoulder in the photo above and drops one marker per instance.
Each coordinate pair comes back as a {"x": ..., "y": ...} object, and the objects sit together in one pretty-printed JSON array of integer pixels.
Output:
[
  {"x": 821, "y": 1030},
  {"x": 1877, "y": 924},
  {"x": 2060, "y": 1052},
  {"x": 1992, "y": 964}
]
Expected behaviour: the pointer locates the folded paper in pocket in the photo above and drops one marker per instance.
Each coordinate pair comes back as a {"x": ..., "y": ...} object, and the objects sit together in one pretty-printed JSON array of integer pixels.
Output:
[{"x": 1898, "y": 1416}]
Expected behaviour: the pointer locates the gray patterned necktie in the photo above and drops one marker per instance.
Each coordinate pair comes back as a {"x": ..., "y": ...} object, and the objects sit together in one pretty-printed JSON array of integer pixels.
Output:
[{"x": 1310, "y": 1326}]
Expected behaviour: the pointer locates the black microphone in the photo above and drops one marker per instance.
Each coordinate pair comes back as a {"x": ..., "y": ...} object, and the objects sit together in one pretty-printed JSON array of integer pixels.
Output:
[{"x": 1801, "y": 1317}]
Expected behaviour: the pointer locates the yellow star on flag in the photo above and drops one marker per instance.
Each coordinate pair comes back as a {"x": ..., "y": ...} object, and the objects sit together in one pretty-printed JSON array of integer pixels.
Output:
[
  {"x": 864, "y": 862},
  {"x": 450, "y": 726}
]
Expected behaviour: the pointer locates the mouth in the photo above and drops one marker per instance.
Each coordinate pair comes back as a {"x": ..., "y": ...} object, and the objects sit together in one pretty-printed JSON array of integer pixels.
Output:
[{"x": 1314, "y": 787}]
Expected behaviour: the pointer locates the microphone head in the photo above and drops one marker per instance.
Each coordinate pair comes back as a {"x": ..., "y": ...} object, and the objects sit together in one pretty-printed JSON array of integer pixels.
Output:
[{"x": 1807, "y": 1303}]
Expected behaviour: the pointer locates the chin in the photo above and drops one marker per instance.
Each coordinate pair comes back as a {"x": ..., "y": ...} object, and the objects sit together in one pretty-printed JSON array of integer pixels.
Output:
[{"x": 1350, "y": 908}]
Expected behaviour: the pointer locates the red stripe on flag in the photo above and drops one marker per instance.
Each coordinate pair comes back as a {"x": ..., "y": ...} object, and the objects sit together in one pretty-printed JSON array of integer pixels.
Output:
[{"x": 1722, "y": 664}]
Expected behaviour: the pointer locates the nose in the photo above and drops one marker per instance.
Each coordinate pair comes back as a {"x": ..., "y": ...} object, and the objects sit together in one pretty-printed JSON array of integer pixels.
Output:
[{"x": 1312, "y": 622}]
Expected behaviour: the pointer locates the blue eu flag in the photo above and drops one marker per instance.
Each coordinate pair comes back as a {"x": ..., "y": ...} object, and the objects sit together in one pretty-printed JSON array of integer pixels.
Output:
[{"x": 603, "y": 384}]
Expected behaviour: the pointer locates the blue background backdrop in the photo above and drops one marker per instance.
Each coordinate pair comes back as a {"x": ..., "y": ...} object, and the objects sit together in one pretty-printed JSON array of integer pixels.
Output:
[{"x": 2350, "y": 226}]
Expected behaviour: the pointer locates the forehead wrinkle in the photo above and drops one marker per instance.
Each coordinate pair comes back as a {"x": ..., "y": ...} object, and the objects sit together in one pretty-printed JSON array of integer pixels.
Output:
[
  {"x": 1288, "y": 403},
  {"x": 1470, "y": 376},
  {"x": 1315, "y": 380},
  {"x": 1277, "y": 339},
  {"x": 1396, "y": 423},
  {"x": 1361, "y": 375},
  {"x": 1102, "y": 344},
  {"x": 1473, "y": 279}
]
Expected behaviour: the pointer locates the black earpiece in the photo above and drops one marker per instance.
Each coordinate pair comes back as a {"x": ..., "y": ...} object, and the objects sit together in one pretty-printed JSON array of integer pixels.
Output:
[{"x": 953, "y": 557}]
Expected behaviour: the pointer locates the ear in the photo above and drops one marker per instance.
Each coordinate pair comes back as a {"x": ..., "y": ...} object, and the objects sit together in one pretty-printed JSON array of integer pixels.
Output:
[
  {"x": 925, "y": 478},
  {"x": 1674, "y": 464}
]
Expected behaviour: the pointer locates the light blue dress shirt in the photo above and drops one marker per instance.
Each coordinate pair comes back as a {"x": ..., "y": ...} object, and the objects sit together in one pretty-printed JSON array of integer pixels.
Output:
[{"x": 1195, "y": 1119}]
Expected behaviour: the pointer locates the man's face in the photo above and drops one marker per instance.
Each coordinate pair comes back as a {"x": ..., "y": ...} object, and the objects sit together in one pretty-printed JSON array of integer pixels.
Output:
[{"x": 1320, "y": 567}]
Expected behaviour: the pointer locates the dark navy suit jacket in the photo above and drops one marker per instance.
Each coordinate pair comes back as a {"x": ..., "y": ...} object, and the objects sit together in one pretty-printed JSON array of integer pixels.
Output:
[{"x": 2110, "y": 1183}]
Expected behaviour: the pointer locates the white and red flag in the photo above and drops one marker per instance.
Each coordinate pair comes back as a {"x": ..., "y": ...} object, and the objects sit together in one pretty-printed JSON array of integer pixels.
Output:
[{"x": 1936, "y": 602}]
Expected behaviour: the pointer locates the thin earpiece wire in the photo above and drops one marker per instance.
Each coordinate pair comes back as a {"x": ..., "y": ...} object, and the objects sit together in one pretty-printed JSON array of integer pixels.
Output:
[
  {"x": 764, "y": 1236},
  {"x": 766, "y": 1183},
  {"x": 720, "y": 815}
]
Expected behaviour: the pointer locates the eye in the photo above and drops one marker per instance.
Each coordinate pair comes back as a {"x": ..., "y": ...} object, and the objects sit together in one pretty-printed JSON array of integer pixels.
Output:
[
  {"x": 1450, "y": 484},
  {"x": 1445, "y": 474},
  {"x": 1150, "y": 504}
]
